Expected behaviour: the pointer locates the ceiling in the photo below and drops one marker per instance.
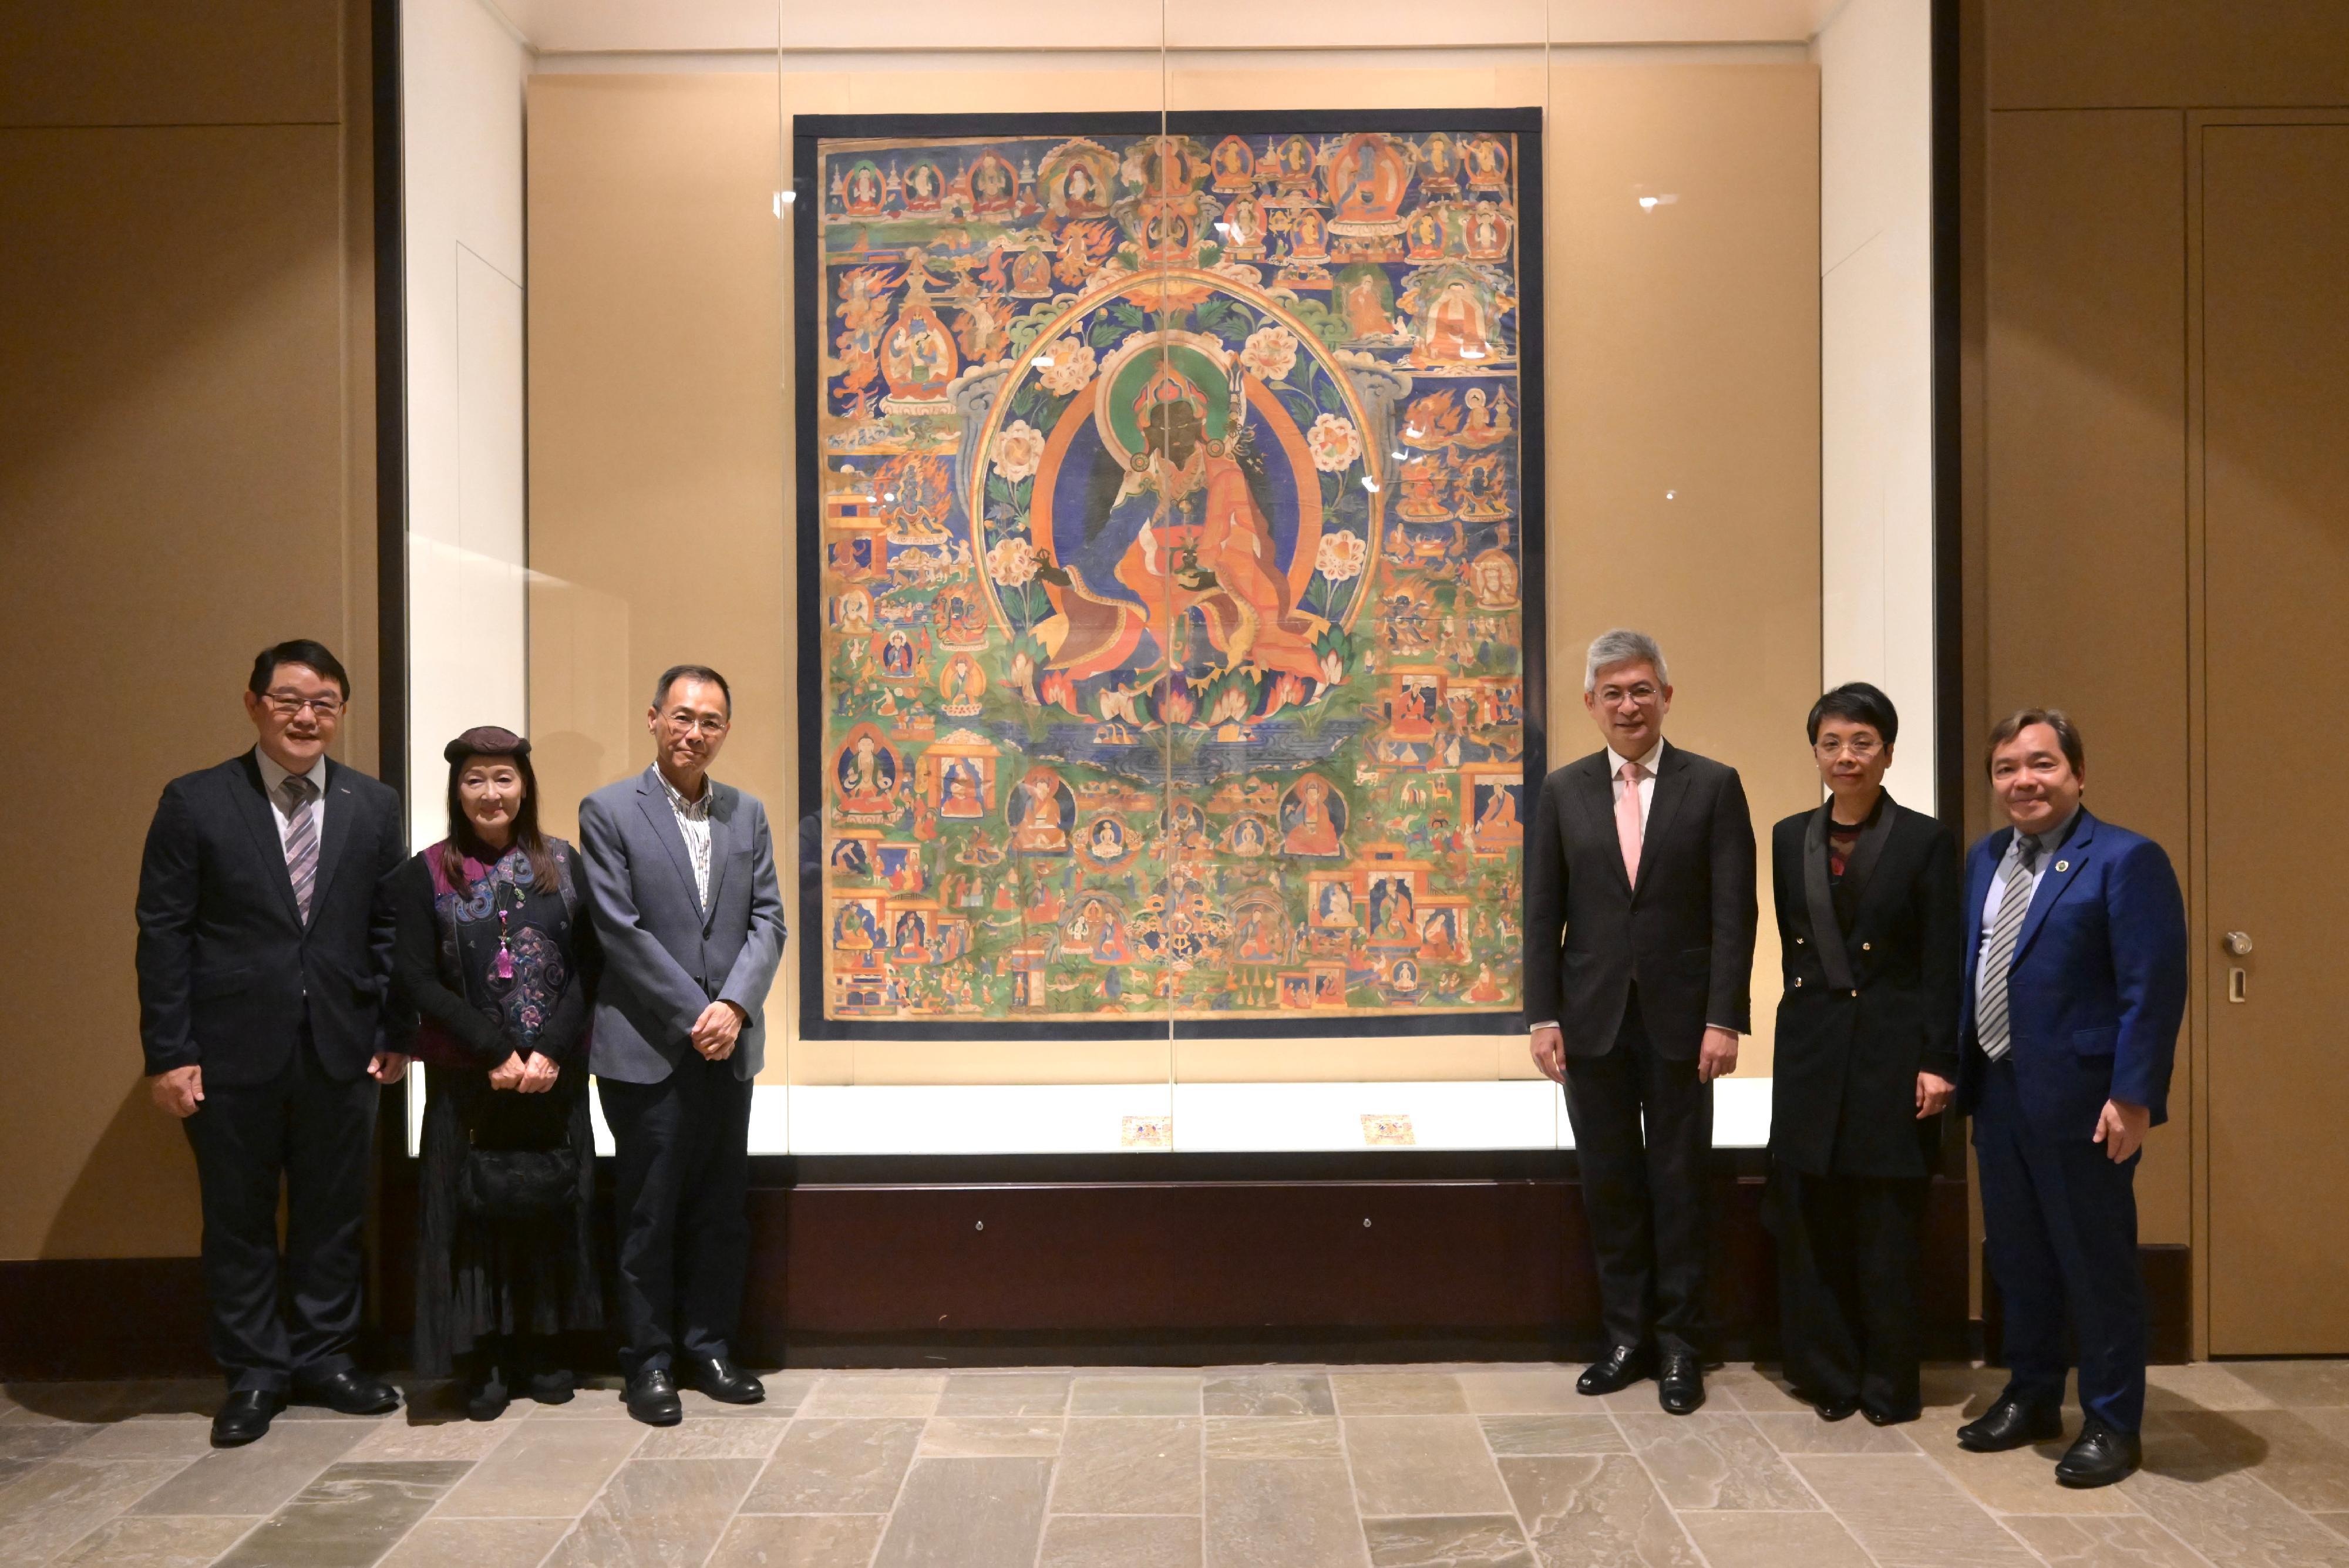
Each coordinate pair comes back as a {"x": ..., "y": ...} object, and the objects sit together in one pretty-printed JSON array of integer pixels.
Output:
[{"x": 565, "y": 27}]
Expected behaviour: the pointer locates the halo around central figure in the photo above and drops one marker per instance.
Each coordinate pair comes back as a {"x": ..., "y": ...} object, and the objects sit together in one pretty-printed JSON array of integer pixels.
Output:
[{"x": 1184, "y": 528}]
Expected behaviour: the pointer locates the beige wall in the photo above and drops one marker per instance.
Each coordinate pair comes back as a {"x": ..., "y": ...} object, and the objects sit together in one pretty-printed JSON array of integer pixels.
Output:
[
  {"x": 2081, "y": 549},
  {"x": 188, "y": 477},
  {"x": 1683, "y": 357}
]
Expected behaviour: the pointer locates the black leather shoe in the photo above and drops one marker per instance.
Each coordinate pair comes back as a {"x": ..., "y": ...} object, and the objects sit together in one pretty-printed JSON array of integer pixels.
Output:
[
  {"x": 1837, "y": 1410},
  {"x": 350, "y": 1391},
  {"x": 652, "y": 1397},
  {"x": 725, "y": 1382},
  {"x": 1679, "y": 1386},
  {"x": 1617, "y": 1369},
  {"x": 1889, "y": 1419},
  {"x": 487, "y": 1399},
  {"x": 2101, "y": 1456},
  {"x": 246, "y": 1416},
  {"x": 2011, "y": 1423}
]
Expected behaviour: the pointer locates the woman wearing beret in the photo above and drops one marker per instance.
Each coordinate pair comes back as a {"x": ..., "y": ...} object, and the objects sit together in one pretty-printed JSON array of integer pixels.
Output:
[
  {"x": 496, "y": 961},
  {"x": 1869, "y": 932}
]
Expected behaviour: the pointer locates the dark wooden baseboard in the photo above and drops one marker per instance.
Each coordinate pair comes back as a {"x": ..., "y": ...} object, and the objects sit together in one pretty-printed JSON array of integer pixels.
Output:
[
  {"x": 2168, "y": 1272},
  {"x": 1215, "y": 1259},
  {"x": 70, "y": 1318}
]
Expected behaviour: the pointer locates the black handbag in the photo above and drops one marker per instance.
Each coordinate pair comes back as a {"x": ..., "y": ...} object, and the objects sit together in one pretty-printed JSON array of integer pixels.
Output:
[{"x": 505, "y": 1184}]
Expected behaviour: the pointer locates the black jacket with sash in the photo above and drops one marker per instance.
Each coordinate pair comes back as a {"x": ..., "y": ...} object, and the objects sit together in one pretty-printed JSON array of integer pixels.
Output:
[{"x": 1868, "y": 1009}]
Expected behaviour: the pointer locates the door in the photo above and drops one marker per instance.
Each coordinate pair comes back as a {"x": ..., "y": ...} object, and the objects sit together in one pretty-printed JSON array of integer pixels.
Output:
[{"x": 2275, "y": 323}]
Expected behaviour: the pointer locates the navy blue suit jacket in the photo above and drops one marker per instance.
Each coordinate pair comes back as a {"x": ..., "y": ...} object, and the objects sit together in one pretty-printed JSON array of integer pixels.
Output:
[{"x": 2099, "y": 986}]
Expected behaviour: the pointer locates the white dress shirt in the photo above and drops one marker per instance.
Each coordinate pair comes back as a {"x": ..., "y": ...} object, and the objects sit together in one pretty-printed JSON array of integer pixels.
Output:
[
  {"x": 1615, "y": 761},
  {"x": 273, "y": 779},
  {"x": 693, "y": 822},
  {"x": 2049, "y": 843}
]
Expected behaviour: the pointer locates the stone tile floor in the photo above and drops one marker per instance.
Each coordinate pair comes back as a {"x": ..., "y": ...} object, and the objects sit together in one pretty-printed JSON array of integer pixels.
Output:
[{"x": 1420, "y": 1467}]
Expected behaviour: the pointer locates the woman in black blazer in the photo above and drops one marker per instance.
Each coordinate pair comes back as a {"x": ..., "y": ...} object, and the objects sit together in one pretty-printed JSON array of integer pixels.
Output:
[{"x": 1869, "y": 929}]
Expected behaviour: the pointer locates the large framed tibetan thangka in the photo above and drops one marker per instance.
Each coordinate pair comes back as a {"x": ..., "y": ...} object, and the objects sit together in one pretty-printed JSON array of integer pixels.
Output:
[{"x": 1170, "y": 501}]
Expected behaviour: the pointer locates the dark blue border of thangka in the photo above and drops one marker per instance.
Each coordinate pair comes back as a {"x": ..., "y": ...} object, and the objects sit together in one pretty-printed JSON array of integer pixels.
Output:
[{"x": 809, "y": 129}]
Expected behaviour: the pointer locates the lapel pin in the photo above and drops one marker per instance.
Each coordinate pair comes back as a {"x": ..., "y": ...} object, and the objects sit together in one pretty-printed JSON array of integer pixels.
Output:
[{"x": 2063, "y": 866}]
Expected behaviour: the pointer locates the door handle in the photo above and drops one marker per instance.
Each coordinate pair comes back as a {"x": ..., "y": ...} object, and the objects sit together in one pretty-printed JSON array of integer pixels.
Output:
[
  {"x": 2235, "y": 985},
  {"x": 2237, "y": 943}
]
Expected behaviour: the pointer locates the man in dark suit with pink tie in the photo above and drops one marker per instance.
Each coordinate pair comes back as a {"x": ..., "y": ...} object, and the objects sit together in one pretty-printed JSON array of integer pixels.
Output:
[{"x": 1640, "y": 917}]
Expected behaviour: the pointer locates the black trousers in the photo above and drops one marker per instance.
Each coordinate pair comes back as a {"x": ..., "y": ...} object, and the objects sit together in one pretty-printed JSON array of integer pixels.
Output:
[
  {"x": 681, "y": 1171},
  {"x": 1645, "y": 1195},
  {"x": 1847, "y": 1260},
  {"x": 2059, "y": 1223},
  {"x": 312, "y": 1136}
]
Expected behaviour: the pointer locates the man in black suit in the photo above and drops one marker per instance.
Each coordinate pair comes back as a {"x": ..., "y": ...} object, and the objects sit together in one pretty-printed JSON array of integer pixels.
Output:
[
  {"x": 265, "y": 945},
  {"x": 1639, "y": 917}
]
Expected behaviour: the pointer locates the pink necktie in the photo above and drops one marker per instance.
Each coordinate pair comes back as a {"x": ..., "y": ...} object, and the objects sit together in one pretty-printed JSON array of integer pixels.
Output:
[{"x": 1627, "y": 818}]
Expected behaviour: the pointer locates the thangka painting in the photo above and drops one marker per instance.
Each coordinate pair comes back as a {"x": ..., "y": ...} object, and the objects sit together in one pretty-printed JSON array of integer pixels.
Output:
[{"x": 1166, "y": 503}]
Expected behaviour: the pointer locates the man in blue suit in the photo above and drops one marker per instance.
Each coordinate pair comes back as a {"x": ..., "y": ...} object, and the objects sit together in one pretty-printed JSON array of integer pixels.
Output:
[{"x": 2074, "y": 989}]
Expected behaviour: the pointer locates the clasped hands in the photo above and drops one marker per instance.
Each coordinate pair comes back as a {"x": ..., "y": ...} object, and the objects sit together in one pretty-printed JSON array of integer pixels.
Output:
[
  {"x": 1716, "y": 1058},
  {"x": 715, "y": 1032},
  {"x": 531, "y": 1074}
]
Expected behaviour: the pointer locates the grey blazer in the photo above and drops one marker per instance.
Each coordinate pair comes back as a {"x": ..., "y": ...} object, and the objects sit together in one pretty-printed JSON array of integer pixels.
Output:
[{"x": 665, "y": 957}]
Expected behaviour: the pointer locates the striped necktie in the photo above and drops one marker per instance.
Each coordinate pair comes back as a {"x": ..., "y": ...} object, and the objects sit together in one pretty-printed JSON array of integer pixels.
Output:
[
  {"x": 301, "y": 841},
  {"x": 1996, "y": 1029}
]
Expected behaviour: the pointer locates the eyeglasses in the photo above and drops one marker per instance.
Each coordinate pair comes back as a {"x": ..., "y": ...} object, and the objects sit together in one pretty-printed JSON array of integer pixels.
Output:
[
  {"x": 287, "y": 704},
  {"x": 1859, "y": 749},
  {"x": 686, "y": 724},
  {"x": 1642, "y": 694}
]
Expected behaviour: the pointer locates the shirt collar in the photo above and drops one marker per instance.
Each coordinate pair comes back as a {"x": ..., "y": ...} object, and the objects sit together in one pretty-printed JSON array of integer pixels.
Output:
[
  {"x": 273, "y": 778},
  {"x": 695, "y": 810},
  {"x": 1615, "y": 760},
  {"x": 2050, "y": 841}
]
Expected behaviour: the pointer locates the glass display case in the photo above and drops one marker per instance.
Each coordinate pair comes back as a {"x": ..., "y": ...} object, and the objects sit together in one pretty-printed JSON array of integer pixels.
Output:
[{"x": 1150, "y": 473}]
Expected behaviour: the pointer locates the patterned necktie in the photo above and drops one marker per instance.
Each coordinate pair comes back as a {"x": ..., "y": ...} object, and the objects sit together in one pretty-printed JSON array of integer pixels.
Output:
[
  {"x": 301, "y": 841},
  {"x": 1627, "y": 818},
  {"x": 1996, "y": 1034}
]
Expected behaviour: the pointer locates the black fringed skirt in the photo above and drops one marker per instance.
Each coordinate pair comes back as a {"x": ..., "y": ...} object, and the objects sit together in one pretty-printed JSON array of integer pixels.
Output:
[{"x": 476, "y": 1279}]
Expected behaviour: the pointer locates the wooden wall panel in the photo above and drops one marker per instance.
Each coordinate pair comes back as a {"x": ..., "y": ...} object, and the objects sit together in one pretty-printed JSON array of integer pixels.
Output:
[
  {"x": 2132, "y": 54},
  {"x": 187, "y": 478},
  {"x": 2085, "y": 528},
  {"x": 135, "y": 62}
]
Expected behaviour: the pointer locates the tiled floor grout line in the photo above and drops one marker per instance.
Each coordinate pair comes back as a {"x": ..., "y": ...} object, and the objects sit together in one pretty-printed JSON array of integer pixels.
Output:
[
  {"x": 117, "y": 1513},
  {"x": 1346, "y": 1456},
  {"x": 1052, "y": 1473},
  {"x": 1649, "y": 1470},
  {"x": 1202, "y": 1462},
  {"x": 242, "y": 1536},
  {"x": 470, "y": 1466},
  {"x": 2308, "y": 1514},
  {"x": 577, "y": 1518},
  {"x": 1795, "y": 1470},
  {"x": 891, "y": 1517}
]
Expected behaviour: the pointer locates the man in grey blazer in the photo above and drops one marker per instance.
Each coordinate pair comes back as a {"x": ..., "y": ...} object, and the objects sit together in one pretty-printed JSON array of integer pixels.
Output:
[{"x": 681, "y": 874}]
